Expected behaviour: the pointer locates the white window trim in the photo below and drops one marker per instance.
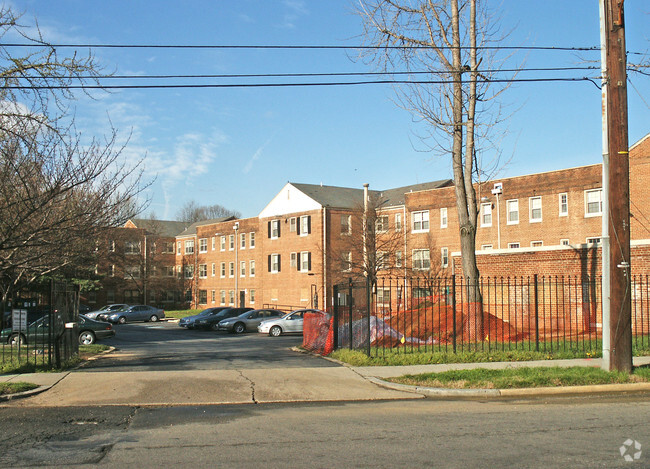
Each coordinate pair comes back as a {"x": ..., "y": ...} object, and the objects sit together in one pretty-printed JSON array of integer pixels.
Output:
[
  {"x": 541, "y": 243},
  {"x": 421, "y": 230},
  {"x": 304, "y": 230},
  {"x": 514, "y": 245},
  {"x": 508, "y": 222},
  {"x": 274, "y": 269},
  {"x": 486, "y": 247},
  {"x": 421, "y": 260},
  {"x": 251, "y": 240},
  {"x": 444, "y": 221},
  {"x": 201, "y": 244},
  {"x": 251, "y": 269},
  {"x": 444, "y": 257},
  {"x": 559, "y": 200},
  {"x": 530, "y": 210},
  {"x": 562, "y": 242},
  {"x": 483, "y": 207},
  {"x": 275, "y": 223},
  {"x": 223, "y": 243},
  {"x": 595, "y": 214},
  {"x": 242, "y": 269},
  {"x": 204, "y": 268}
]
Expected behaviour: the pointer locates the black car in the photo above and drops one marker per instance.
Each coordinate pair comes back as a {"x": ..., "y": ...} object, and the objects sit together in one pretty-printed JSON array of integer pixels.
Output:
[
  {"x": 188, "y": 321},
  {"x": 212, "y": 321}
]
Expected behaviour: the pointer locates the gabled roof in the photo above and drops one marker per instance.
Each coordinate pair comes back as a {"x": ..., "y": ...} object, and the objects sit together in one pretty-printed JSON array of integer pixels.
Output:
[
  {"x": 166, "y": 228},
  {"x": 191, "y": 230},
  {"x": 347, "y": 197}
]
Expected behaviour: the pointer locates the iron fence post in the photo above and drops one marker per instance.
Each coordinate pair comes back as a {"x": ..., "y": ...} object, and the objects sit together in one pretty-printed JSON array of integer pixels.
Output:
[
  {"x": 350, "y": 314},
  {"x": 335, "y": 321},
  {"x": 536, "y": 313},
  {"x": 453, "y": 309},
  {"x": 368, "y": 298}
]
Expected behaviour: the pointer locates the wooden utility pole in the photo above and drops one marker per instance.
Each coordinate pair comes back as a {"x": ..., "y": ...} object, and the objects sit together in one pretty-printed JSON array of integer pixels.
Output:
[{"x": 620, "y": 330}]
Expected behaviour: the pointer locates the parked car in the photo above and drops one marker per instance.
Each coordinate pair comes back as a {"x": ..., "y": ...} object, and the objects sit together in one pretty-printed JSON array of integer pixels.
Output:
[
  {"x": 105, "y": 309},
  {"x": 134, "y": 313},
  {"x": 83, "y": 309},
  {"x": 289, "y": 323},
  {"x": 212, "y": 321},
  {"x": 38, "y": 332},
  {"x": 188, "y": 321},
  {"x": 249, "y": 320}
]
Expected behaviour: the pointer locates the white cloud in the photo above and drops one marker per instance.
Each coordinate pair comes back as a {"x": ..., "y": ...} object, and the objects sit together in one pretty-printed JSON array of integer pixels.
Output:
[
  {"x": 295, "y": 10},
  {"x": 256, "y": 156}
]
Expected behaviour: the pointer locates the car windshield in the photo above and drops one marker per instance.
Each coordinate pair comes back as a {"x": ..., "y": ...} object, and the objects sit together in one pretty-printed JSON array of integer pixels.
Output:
[
  {"x": 221, "y": 314},
  {"x": 205, "y": 312}
]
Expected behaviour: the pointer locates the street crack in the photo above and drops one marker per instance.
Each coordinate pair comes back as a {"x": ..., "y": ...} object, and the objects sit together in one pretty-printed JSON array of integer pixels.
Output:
[{"x": 252, "y": 385}]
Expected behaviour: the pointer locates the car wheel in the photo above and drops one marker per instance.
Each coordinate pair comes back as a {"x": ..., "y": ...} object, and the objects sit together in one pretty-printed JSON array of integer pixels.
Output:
[
  {"x": 87, "y": 338},
  {"x": 121, "y": 320},
  {"x": 215, "y": 326},
  {"x": 275, "y": 331},
  {"x": 17, "y": 340},
  {"x": 153, "y": 318},
  {"x": 239, "y": 328}
]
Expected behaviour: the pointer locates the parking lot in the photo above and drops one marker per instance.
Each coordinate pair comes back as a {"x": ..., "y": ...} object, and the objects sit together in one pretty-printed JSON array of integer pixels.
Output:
[{"x": 165, "y": 346}]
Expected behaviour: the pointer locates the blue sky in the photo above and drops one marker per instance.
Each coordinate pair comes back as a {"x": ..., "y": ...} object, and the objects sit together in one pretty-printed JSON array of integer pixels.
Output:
[{"x": 238, "y": 147}]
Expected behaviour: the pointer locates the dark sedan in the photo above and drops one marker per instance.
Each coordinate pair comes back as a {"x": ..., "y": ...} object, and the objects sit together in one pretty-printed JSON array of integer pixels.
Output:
[
  {"x": 188, "y": 321},
  {"x": 249, "y": 320},
  {"x": 212, "y": 321},
  {"x": 39, "y": 332},
  {"x": 135, "y": 313}
]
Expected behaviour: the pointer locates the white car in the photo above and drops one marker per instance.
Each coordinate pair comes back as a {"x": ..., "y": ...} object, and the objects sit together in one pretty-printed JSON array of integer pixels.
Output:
[{"x": 287, "y": 324}]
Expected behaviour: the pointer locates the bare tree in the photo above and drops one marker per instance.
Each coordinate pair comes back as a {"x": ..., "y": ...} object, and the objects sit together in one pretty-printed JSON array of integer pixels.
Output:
[
  {"x": 192, "y": 212},
  {"x": 58, "y": 190},
  {"x": 447, "y": 39}
]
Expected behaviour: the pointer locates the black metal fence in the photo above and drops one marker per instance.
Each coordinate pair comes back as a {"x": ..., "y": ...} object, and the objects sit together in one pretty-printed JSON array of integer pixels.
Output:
[
  {"x": 40, "y": 328},
  {"x": 544, "y": 314}
]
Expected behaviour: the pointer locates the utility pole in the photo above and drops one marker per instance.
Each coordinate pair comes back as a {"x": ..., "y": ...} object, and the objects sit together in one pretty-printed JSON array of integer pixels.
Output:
[{"x": 620, "y": 328}]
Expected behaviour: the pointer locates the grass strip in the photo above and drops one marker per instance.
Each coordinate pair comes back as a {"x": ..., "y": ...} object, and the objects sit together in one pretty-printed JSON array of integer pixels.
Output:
[
  {"x": 527, "y": 377},
  {"x": 182, "y": 313},
  {"x": 12, "y": 388}
]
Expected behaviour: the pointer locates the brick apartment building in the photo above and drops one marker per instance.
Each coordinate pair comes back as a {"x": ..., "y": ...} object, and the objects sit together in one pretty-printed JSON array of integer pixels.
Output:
[{"x": 298, "y": 247}]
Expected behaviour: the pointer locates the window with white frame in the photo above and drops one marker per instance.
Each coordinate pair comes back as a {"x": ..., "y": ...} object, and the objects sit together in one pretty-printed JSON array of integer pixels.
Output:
[
  {"x": 535, "y": 205},
  {"x": 189, "y": 271},
  {"x": 213, "y": 296},
  {"x": 293, "y": 260},
  {"x": 242, "y": 268},
  {"x": 398, "y": 222},
  {"x": 346, "y": 224},
  {"x": 214, "y": 245},
  {"x": 231, "y": 297},
  {"x": 242, "y": 241},
  {"x": 203, "y": 245},
  {"x": 563, "y": 201},
  {"x": 251, "y": 296},
  {"x": 223, "y": 270},
  {"x": 231, "y": 242},
  {"x": 251, "y": 240},
  {"x": 169, "y": 270},
  {"x": 594, "y": 240},
  {"x": 222, "y": 297},
  {"x": 346, "y": 262},
  {"x": 486, "y": 214},
  {"x": 382, "y": 260},
  {"x": 293, "y": 223},
  {"x": 111, "y": 270},
  {"x": 420, "y": 221},
  {"x": 223, "y": 243},
  {"x": 179, "y": 248},
  {"x": 274, "y": 229},
  {"x": 251, "y": 269},
  {"x": 305, "y": 225},
  {"x": 111, "y": 246},
  {"x": 132, "y": 247},
  {"x": 444, "y": 257},
  {"x": 305, "y": 261},
  {"x": 203, "y": 297},
  {"x": 189, "y": 246},
  {"x": 231, "y": 269},
  {"x": 593, "y": 203},
  {"x": 443, "y": 217},
  {"x": 513, "y": 245},
  {"x": 564, "y": 242},
  {"x": 398, "y": 258},
  {"x": 383, "y": 296},
  {"x": 169, "y": 247},
  {"x": 214, "y": 269},
  {"x": 132, "y": 271},
  {"x": 381, "y": 224},
  {"x": 536, "y": 244},
  {"x": 421, "y": 259},
  {"x": 512, "y": 207},
  {"x": 274, "y": 263},
  {"x": 486, "y": 247},
  {"x": 203, "y": 270}
]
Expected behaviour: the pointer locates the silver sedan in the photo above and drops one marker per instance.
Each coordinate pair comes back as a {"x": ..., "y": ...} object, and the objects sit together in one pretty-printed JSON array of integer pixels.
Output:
[
  {"x": 290, "y": 323},
  {"x": 249, "y": 321}
]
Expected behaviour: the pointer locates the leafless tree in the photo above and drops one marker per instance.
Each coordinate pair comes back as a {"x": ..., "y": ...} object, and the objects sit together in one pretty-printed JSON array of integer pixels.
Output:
[
  {"x": 449, "y": 39},
  {"x": 58, "y": 191},
  {"x": 192, "y": 212}
]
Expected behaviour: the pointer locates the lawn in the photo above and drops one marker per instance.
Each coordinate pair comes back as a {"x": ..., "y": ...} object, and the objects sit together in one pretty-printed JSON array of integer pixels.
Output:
[
  {"x": 12, "y": 388},
  {"x": 182, "y": 313}
]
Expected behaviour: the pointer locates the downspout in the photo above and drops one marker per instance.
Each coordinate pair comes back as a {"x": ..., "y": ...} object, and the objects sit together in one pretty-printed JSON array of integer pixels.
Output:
[
  {"x": 325, "y": 237},
  {"x": 365, "y": 229}
]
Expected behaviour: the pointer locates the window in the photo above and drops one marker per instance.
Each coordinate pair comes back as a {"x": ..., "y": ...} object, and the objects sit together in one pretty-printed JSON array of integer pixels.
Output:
[
  {"x": 564, "y": 242},
  {"x": 346, "y": 262},
  {"x": 251, "y": 295},
  {"x": 486, "y": 247},
  {"x": 214, "y": 246},
  {"x": 169, "y": 248},
  {"x": 274, "y": 263},
  {"x": 398, "y": 258},
  {"x": 231, "y": 269},
  {"x": 593, "y": 203},
  {"x": 420, "y": 221},
  {"x": 381, "y": 224},
  {"x": 251, "y": 270},
  {"x": 111, "y": 270},
  {"x": 203, "y": 245},
  {"x": 251, "y": 242},
  {"x": 111, "y": 246},
  {"x": 223, "y": 243},
  {"x": 223, "y": 270},
  {"x": 231, "y": 297},
  {"x": 189, "y": 271},
  {"x": 486, "y": 214},
  {"x": 242, "y": 269},
  {"x": 444, "y": 257},
  {"x": 594, "y": 240},
  {"x": 512, "y": 206},
  {"x": 242, "y": 241},
  {"x": 274, "y": 229},
  {"x": 132, "y": 271},
  {"x": 383, "y": 295},
  {"x": 213, "y": 296},
  {"x": 535, "y": 204},
  {"x": 443, "y": 217},
  {"x": 189, "y": 246},
  {"x": 421, "y": 259},
  {"x": 305, "y": 261},
  {"x": 398, "y": 222},
  {"x": 564, "y": 204},
  {"x": 293, "y": 260},
  {"x": 203, "y": 270},
  {"x": 346, "y": 227},
  {"x": 222, "y": 297},
  {"x": 513, "y": 245},
  {"x": 292, "y": 224},
  {"x": 305, "y": 225},
  {"x": 178, "y": 251},
  {"x": 382, "y": 260},
  {"x": 214, "y": 269},
  {"x": 132, "y": 247},
  {"x": 169, "y": 270},
  {"x": 110, "y": 296},
  {"x": 536, "y": 244},
  {"x": 203, "y": 297},
  {"x": 231, "y": 242}
]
